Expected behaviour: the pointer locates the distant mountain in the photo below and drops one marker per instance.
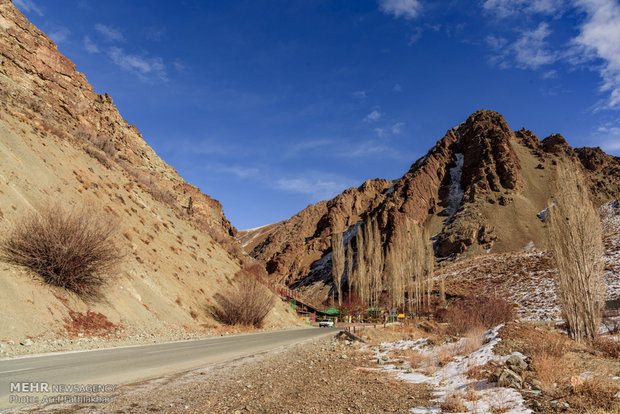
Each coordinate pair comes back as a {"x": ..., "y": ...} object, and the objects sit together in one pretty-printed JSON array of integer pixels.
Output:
[{"x": 478, "y": 190}]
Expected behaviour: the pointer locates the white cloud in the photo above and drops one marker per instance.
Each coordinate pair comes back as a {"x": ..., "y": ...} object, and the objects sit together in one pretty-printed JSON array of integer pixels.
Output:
[
  {"x": 506, "y": 8},
  {"x": 319, "y": 186},
  {"x": 396, "y": 128},
  {"x": 27, "y": 6},
  {"x": 236, "y": 170},
  {"x": 397, "y": 88},
  {"x": 380, "y": 132},
  {"x": 598, "y": 38},
  {"x": 307, "y": 145},
  {"x": 531, "y": 51},
  {"x": 609, "y": 130},
  {"x": 373, "y": 116},
  {"x": 144, "y": 67},
  {"x": 528, "y": 51},
  {"x": 408, "y": 9},
  {"x": 90, "y": 46},
  {"x": 111, "y": 34},
  {"x": 59, "y": 35}
]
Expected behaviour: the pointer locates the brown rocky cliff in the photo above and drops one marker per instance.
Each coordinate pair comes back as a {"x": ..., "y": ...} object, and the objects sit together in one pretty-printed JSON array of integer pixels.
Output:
[{"x": 41, "y": 86}]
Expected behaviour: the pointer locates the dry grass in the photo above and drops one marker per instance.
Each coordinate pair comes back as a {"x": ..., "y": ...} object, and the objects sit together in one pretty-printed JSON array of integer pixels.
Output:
[
  {"x": 607, "y": 346},
  {"x": 393, "y": 334},
  {"x": 454, "y": 402},
  {"x": 595, "y": 395},
  {"x": 73, "y": 249}
]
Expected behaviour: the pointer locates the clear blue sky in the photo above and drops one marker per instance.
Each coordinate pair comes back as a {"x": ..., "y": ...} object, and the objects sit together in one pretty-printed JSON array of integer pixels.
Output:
[{"x": 270, "y": 105}]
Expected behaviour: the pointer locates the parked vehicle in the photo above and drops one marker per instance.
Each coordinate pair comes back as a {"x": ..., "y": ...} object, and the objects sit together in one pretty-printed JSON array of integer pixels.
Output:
[{"x": 326, "y": 323}]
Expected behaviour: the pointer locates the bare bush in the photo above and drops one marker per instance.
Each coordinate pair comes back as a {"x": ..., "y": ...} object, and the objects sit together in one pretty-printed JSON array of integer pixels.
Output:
[
  {"x": 247, "y": 302},
  {"x": 73, "y": 249},
  {"x": 576, "y": 240},
  {"x": 477, "y": 312}
]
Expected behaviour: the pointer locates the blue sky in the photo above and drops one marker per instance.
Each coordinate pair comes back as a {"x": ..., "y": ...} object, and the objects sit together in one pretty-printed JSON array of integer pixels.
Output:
[{"x": 270, "y": 105}]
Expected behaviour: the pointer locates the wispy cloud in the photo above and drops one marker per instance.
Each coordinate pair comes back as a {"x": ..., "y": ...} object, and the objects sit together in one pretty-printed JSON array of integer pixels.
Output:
[
  {"x": 407, "y": 9},
  {"x": 109, "y": 33},
  {"x": 380, "y": 132},
  {"x": 90, "y": 46},
  {"x": 59, "y": 35},
  {"x": 361, "y": 95},
  {"x": 397, "y": 88},
  {"x": 397, "y": 127},
  {"x": 506, "y": 8},
  {"x": 307, "y": 145},
  {"x": 236, "y": 170},
  {"x": 27, "y": 6},
  {"x": 143, "y": 66},
  {"x": 528, "y": 51},
  {"x": 373, "y": 116},
  {"x": 317, "y": 185},
  {"x": 598, "y": 38},
  {"x": 531, "y": 49}
]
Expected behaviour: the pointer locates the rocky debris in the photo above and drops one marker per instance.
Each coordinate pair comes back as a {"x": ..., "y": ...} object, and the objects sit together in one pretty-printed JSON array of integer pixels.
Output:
[{"x": 514, "y": 373}]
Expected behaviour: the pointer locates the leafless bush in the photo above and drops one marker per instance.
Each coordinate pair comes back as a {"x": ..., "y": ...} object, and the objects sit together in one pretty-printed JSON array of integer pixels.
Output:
[
  {"x": 247, "y": 302},
  {"x": 73, "y": 249},
  {"x": 477, "y": 312},
  {"x": 576, "y": 240}
]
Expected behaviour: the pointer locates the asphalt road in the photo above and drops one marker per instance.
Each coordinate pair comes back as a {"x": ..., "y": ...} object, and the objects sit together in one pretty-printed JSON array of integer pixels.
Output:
[{"x": 118, "y": 366}]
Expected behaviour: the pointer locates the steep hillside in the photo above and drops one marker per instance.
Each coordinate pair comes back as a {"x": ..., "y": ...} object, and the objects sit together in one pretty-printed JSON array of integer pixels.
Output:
[
  {"x": 478, "y": 190},
  {"x": 61, "y": 143}
]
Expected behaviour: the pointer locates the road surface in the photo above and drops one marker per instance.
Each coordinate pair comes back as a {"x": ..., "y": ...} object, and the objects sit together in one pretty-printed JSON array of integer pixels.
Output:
[{"x": 118, "y": 366}]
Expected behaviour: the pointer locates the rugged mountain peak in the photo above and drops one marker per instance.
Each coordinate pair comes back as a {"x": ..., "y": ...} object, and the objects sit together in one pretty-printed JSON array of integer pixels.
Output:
[
  {"x": 490, "y": 161},
  {"x": 477, "y": 190}
]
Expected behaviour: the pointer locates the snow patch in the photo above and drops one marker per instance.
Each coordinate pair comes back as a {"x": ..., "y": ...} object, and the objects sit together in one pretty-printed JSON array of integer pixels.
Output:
[{"x": 455, "y": 192}]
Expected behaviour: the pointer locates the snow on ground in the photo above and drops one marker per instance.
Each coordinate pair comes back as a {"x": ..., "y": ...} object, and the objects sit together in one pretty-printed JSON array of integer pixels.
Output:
[
  {"x": 455, "y": 192},
  {"x": 452, "y": 377}
]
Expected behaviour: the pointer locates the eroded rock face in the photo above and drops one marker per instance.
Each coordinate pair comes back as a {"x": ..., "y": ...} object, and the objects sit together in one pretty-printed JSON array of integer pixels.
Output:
[
  {"x": 471, "y": 182},
  {"x": 41, "y": 86}
]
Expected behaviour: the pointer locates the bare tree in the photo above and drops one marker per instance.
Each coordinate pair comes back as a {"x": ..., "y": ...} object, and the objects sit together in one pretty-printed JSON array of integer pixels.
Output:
[
  {"x": 349, "y": 255},
  {"x": 576, "y": 241},
  {"x": 338, "y": 263}
]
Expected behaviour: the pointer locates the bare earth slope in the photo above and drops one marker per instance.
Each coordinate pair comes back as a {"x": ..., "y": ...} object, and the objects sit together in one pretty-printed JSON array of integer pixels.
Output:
[
  {"x": 478, "y": 190},
  {"x": 61, "y": 142}
]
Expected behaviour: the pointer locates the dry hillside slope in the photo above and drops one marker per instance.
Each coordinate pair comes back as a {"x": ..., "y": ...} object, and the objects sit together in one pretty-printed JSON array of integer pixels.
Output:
[
  {"x": 478, "y": 190},
  {"x": 60, "y": 142}
]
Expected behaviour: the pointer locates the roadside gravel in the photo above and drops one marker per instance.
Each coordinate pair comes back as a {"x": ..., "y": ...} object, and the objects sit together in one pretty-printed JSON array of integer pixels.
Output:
[{"x": 319, "y": 376}]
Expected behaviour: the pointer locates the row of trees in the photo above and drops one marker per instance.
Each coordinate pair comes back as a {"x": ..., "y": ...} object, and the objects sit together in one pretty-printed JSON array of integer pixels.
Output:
[{"x": 403, "y": 268}]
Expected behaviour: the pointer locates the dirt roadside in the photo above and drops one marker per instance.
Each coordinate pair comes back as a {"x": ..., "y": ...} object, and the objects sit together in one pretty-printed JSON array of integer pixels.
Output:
[{"x": 317, "y": 376}]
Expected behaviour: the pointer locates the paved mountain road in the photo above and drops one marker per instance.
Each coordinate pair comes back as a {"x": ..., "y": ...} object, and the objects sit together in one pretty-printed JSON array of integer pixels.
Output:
[{"x": 133, "y": 363}]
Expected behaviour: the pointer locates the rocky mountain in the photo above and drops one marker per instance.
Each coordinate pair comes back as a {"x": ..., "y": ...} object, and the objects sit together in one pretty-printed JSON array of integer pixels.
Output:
[
  {"x": 478, "y": 190},
  {"x": 62, "y": 143}
]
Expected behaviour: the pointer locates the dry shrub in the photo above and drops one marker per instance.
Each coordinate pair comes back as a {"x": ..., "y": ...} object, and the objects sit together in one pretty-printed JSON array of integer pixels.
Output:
[
  {"x": 606, "y": 346},
  {"x": 89, "y": 323},
  {"x": 477, "y": 372},
  {"x": 473, "y": 341},
  {"x": 417, "y": 358},
  {"x": 596, "y": 395},
  {"x": 477, "y": 312},
  {"x": 247, "y": 302},
  {"x": 454, "y": 403},
  {"x": 73, "y": 249}
]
